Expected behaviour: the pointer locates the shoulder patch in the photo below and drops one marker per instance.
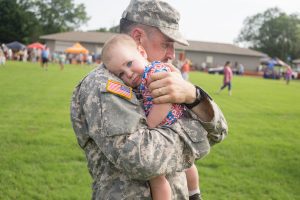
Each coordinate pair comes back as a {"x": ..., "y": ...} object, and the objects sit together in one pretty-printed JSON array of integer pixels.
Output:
[{"x": 119, "y": 89}]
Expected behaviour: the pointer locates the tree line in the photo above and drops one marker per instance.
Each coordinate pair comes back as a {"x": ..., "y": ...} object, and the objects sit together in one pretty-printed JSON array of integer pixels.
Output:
[
  {"x": 272, "y": 32},
  {"x": 26, "y": 20}
]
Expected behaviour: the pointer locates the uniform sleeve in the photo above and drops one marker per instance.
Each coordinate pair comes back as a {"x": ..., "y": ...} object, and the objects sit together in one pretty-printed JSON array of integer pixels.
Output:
[
  {"x": 217, "y": 128},
  {"x": 118, "y": 127}
]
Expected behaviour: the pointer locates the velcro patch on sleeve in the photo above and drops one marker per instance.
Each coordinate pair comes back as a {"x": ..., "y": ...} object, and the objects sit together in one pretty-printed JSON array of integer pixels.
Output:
[{"x": 119, "y": 89}]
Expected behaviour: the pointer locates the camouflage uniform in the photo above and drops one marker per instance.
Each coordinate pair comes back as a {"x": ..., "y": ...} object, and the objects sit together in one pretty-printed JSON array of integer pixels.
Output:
[{"x": 122, "y": 153}]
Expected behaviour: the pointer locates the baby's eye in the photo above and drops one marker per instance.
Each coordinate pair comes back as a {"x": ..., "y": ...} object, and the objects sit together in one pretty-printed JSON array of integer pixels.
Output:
[{"x": 129, "y": 64}]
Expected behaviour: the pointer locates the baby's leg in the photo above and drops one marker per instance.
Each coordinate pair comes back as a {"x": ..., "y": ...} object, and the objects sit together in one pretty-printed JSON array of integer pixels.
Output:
[
  {"x": 193, "y": 181},
  {"x": 160, "y": 188}
]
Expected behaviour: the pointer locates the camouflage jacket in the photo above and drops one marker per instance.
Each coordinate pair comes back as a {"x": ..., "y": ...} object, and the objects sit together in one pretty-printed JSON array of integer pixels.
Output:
[{"x": 122, "y": 153}]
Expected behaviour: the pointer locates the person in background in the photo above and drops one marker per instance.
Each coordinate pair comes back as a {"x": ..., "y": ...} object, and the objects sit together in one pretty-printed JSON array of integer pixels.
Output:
[
  {"x": 38, "y": 54},
  {"x": 34, "y": 55},
  {"x": 89, "y": 59},
  {"x": 45, "y": 54},
  {"x": 288, "y": 74},
  {"x": 203, "y": 66},
  {"x": 25, "y": 55},
  {"x": 109, "y": 121},
  {"x": 61, "y": 60},
  {"x": 55, "y": 57},
  {"x": 70, "y": 58},
  {"x": 185, "y": 69},
  {"x": 241, "y": 69},
  {"x": 80, "y": 59},
  {"x": 10, "y": 54},
  {"x": 227, "y": 78},
  {"x": 2, "y": 57}
]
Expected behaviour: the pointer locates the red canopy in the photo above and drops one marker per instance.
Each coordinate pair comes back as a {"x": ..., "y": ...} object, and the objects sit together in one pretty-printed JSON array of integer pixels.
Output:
[{"x": 36, "y": 45}]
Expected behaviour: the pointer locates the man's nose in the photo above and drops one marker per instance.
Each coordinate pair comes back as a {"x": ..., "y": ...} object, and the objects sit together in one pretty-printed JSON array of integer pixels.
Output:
[{"x": 170, "y": 54}]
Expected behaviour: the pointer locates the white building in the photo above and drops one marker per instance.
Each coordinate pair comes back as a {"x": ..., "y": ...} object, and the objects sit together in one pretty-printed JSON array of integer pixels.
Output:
[{"x": 213, "y": 54}]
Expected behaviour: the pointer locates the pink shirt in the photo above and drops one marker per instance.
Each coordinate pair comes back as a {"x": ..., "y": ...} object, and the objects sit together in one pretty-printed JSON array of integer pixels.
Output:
[
  {"x": 289, "y": 72},
  {"x": 227, "y": 74}
]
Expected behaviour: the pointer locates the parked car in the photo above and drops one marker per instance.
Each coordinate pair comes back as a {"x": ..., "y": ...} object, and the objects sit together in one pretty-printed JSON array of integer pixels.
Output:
[
  {"x": 215, "y": 70},
  {"x": 297, "y": 70},
  {"x": 295, "y": 75}
]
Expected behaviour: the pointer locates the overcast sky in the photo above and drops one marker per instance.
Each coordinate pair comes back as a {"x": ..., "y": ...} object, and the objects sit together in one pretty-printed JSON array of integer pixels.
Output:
[{"x": 202, "y": 20}]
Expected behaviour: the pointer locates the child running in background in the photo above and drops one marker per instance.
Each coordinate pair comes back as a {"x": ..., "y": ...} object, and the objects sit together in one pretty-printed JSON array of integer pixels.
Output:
[
  {"x": 288, "y": 74},
  {"x": 124, "y": 58},
  {"x": 227, "y": 78}
]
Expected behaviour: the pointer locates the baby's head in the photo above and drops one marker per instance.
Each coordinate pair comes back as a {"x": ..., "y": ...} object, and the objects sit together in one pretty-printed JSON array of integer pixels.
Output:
[{"x": 124, "y": 58}]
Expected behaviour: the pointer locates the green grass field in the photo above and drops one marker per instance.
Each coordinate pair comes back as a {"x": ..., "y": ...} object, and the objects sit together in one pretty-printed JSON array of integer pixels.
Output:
[{"x": 40, "y": 157}]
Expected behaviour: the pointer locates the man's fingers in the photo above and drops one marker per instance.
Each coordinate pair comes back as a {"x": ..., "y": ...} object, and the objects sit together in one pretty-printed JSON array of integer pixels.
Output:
[
  {"x": 164, "y": 95},
  {"x": 161, "y": 81},
  {"x": 158, "y": 76},
  {"x": 161, "y": 91},
  {"x": 169, "y": 87},
  {"x": 162, "y": 99},
  {"x": 173, "y": 68}
]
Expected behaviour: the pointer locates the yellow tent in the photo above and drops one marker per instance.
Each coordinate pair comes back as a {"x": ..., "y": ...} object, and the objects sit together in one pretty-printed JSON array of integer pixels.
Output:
[{"x": 77, "y": 48}]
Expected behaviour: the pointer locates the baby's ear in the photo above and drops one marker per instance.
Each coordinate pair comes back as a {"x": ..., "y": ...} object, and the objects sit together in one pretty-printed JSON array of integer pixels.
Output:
[{"x": 142, "y": 51}]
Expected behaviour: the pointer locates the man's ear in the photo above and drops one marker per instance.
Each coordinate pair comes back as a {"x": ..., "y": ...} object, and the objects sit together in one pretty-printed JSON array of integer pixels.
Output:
[
  {"x": 136, "y": 34},
  {"x": 142, "y": 51}
]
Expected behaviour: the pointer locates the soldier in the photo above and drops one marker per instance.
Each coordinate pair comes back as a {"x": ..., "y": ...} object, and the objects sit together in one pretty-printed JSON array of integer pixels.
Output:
[
  {"x": 135, "y": 70},
  {"x": 110, "y": 123}
]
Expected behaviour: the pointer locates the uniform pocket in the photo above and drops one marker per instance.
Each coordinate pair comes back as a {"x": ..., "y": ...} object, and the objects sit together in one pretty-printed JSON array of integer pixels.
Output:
[
  {"x": 194, "y": 130},
  {"x": 120, "y": 116},
  {"x": 196, "y": 137}
]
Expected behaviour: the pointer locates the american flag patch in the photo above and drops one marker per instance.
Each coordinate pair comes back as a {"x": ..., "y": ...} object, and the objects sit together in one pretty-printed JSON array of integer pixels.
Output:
[{"x": 119, "y": 89}]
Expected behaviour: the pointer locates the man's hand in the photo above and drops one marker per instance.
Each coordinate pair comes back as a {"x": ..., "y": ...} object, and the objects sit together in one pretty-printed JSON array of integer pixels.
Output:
[{"x": 170, "y": 87}]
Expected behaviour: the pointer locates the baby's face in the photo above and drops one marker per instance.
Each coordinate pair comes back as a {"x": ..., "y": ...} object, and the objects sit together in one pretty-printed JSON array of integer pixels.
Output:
[{"x": 128, "y": 64}]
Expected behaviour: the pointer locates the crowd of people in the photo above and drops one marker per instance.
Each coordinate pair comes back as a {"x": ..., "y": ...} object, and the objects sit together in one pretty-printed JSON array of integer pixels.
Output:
[
  {"x": 44, "y": 56},
  {"x": 277, "y": 69},
  {"x": 2, "y": 57}
]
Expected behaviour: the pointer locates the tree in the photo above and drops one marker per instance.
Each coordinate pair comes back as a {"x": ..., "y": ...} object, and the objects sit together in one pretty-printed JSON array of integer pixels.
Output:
[
  {"x": 59, "y": 15},
  {"x": 26, "y": 20},
  {"x": 102, "y": 29},
  {"x": 16, "y": 21},
  {"x": 272, "y": 32},
  {"x": 114, "y": 29}
]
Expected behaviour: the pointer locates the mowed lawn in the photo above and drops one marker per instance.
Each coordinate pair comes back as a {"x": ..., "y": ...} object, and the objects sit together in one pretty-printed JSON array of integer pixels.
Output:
[{"x": 40, "y": 157}]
